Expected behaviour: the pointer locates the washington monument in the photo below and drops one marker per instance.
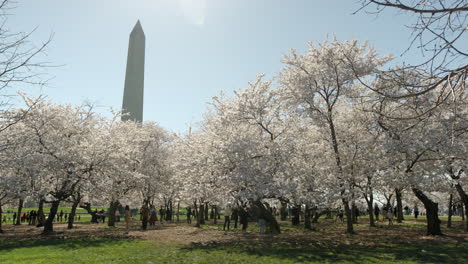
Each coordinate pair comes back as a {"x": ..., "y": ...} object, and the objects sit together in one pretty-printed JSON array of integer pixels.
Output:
[{"x": 132, "y": 105}]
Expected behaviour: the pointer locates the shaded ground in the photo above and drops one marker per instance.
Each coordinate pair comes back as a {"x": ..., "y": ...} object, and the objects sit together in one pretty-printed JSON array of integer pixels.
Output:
[
  {"x": 325, "y": 233},
  {"x": 181, "y": 243}
]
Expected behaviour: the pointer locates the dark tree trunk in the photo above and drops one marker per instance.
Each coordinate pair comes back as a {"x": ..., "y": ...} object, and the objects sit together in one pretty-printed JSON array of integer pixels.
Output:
[
  {"x": 114, "y": 205},
  {"x": 317, "y": 215},
  {"x": 263, "y": 212},
  {"x": 328, "y": 213},
  {"x": 432, "y": 208},
  {"x": 399, "y": 207},
  {"x": 212, "y": 214},
  {"x": 450, "y": 212},
  {"x": 40, "y": 214},
  {"x": 307, "y": 217},
  {"x": 353, "y": 213},
  {"x": 296, "y": 213},
  {"x": 201, "y": 214},
  {"x": 20, "y": 207},
  {"x": 215, "y": 211},
  {"x": 206, "y": 213},
  {"x": 178, "y": 211},
  {"x": 349, "y": 220},
  {"x": 1, "y": 218},
  {"x": 49, "y": 225},
  {"x": 284, "y": 210},
  {"x": 464, "y": 198},
  {"x": 370, "y": 208},
  {"x": 197, "y": 214},
  {"x": 71, "y": 216},
  {"x": 87, "y": 207}
]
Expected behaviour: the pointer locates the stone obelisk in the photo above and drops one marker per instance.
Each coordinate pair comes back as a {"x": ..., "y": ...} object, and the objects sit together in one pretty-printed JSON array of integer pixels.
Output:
[{"x": 132, "y": 106}]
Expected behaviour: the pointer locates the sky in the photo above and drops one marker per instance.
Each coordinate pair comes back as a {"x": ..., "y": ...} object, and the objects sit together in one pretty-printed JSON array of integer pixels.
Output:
[{"x": 194, "y": 48}]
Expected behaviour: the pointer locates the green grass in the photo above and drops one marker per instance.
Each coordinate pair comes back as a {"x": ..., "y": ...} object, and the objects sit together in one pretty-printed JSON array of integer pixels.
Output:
[{"x": 134, "y": 251}]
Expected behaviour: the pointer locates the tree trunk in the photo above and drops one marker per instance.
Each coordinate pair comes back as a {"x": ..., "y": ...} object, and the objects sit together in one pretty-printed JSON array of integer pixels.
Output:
[
  {"x": 370, "y": 208},
  {"x": 349, "y": 220},
  {"x": 178, "y": 211},
  {"x": 307, "y": 217},
  {"x": 263, "y": 212},
  {"x": 87, "y": 207},
  {"x": 201, "y": 214},
  {"x": 212, "y": 213},
  {"x": 49, "y": 225},
  {"x": 215, "y": 217},
  {"x": 197, "y": 214},
  {"x": 353, "y": 212},
  {"x": 296, "y": 213},
  {"x": 464, "y": 198},
  {"x": 20, "y": 207},
  {"x": 399, "y": 208},
  {"x": 450, "y": 212},
  {"x": 1, "y": 218},
  {"x": 206, "y": 213},
  {"x": 283, "y": 210},
  {"x": 317, "y": 215},
  {"x": 71, "y": 216},
  {"x": 432, "y": 208},
  {"x": 40, "y": 214},
  {"x": 112, "y": 208}
]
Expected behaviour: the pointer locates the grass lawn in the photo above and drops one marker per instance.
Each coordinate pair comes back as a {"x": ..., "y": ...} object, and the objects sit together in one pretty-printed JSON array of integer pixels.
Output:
[
  {"x": 182, "y": 243},
  {"x": 139, "y": 251}
]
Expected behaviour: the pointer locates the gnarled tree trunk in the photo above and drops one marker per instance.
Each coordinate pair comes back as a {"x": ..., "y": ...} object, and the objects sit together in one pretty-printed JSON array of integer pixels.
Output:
[
  {"x": 263, "y": 212},
  {"x": 399, "y": 208},
  {"x": 49, "y": 225},
  {"x": 201, "y": 214},
  {"x": 432, "y": 208},
  {"x": 20, "y": 208},
  {"x": 112, "y": 208},
  {"x": 71, "y": 216},
  {"x": 464, "y": 198},
  {"x": 296, "y": 213},
  {"x": 40, "y": 214}
]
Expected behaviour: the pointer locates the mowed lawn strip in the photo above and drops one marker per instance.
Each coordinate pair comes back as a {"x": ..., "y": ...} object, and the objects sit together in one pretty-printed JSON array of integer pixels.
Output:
[{"x": 140, "y": 251}]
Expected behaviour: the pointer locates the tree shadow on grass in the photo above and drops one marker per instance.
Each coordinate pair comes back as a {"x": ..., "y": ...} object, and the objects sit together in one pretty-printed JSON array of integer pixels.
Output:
[
  {"x": 66, "y": 244},
  {"x": 310, "y": 252}
]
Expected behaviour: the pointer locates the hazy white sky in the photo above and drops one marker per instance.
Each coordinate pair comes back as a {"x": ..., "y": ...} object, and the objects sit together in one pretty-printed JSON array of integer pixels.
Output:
[{"x": 194, "y": 48}]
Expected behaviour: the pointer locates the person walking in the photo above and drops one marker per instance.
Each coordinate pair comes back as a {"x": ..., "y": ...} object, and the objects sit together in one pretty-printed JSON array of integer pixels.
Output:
[
  {"x": 144, "y": 214},
  {"x": 390, "y": 216},
  {"x": 376, "y": 211},
  {"x": 416, "y": 212},
  {"x": 161, "y": 214},
  {"x": 128, "y": 217},
  {"x": 227, "y": 217},
  {"x": 153, "y": 217}
]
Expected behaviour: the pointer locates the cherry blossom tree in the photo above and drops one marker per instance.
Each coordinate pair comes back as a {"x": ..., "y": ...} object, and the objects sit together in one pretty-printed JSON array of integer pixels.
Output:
[{"x": 315, "y": 83}]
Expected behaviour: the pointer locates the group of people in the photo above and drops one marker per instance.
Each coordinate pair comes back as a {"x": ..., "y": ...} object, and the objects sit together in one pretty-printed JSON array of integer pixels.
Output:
[
  {"x": 389, "y": 212},
  {"x": 238, "y": 216},
  {"x": 29, "y": 217}
]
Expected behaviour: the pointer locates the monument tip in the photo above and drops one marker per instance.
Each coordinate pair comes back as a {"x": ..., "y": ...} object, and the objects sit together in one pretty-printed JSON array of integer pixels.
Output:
[{"x": 138, "y": 27}]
